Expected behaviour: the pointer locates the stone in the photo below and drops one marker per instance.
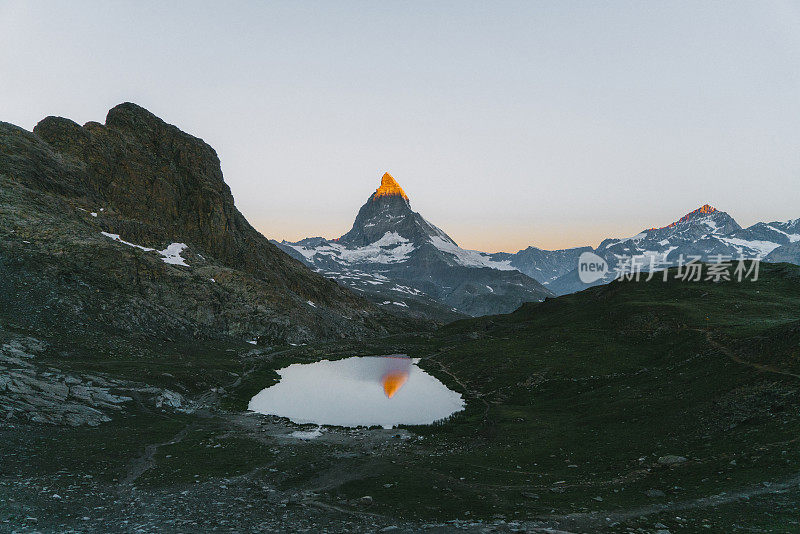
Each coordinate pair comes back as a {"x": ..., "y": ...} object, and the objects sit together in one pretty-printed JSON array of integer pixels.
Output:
[
  {"x": 50, "y": 397},
  {"x": 671, "y": 459},
  {"x": 170, "y": 399}
]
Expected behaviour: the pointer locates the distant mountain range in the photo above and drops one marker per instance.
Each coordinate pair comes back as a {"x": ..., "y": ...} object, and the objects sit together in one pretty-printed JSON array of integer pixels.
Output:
[
  {"x": 706, "y": 233},
  {"x": 396, "y": 258}
]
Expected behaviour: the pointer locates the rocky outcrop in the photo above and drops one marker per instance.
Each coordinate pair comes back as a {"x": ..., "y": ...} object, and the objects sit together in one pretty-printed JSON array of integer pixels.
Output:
[
  {"x": 40, "y": 394},
  {"x": 152, "y": 185},
  {"x": 164, "y": 183},
  {"x": 788, "y": 253}
]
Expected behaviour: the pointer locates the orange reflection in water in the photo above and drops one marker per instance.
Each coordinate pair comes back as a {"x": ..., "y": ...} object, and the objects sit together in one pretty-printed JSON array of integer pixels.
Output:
[{"x": 392, "y": 382}]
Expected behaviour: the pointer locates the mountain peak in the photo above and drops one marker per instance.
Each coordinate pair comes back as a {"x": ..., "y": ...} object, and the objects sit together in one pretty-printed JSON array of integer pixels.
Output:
[
  {"x": 388, "y": 211},
  {"x": 705, "y": 209},
  {"x": 389, "y": 188}
]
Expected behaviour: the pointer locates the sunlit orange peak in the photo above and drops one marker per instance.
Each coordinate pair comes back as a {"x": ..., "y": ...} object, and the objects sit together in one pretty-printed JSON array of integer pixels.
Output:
[
  {"x": 393, "y": 381},
  {"x": 389, "y": 188},
  {"x": 705, "y": 209}
]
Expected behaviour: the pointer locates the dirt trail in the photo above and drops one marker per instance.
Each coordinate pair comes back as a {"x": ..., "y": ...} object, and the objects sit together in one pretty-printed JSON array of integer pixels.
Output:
[
  {"x": 728, "y": 352},
  {"x": 138, "y": 466},
  {"x": 346, "y": 511},
  {"x": 146, "y": 461},
  {"x": 587, "y": 520},
  {"x": 474, "y": 394}
]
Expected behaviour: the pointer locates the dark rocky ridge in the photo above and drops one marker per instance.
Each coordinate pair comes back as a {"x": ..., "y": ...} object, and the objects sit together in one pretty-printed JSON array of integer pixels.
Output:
[
  {"x": 156, "y": 185},
  {"x": 166, "y": 183}
]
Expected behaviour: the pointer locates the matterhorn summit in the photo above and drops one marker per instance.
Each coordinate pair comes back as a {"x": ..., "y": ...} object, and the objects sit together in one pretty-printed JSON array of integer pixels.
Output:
[
  {"x": 388, "y": 211},
  {"x": 394, "y": 256},
  {"x": 389, "y": 188}
]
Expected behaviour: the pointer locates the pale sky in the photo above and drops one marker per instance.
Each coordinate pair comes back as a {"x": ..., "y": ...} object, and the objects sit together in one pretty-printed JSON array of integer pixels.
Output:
[{"x": 508, "y": 124}]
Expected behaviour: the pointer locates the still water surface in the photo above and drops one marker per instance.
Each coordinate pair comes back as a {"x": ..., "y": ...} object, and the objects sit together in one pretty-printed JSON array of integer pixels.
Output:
[{"x": 358, "y": 391}]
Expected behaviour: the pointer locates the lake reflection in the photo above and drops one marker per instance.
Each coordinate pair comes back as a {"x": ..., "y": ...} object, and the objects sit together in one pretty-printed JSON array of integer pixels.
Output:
[{"x": 358, "y": 391}]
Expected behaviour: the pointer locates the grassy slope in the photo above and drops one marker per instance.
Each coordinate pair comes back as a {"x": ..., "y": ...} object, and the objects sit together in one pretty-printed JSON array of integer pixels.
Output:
[
  {"x": 608, "y": 380},
  {"x": 568, "y": 400}
]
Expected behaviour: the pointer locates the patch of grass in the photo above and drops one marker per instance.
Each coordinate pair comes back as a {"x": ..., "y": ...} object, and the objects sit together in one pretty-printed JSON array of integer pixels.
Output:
[
  {"x": 105, "y": 452},
  {"x": 203, "y": 454}
]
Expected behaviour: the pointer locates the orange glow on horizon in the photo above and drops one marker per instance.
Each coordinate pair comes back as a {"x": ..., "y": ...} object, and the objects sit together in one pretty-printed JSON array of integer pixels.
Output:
[
  {"x": 393, "y": 381},
  {"x": 499, "y": 238}
]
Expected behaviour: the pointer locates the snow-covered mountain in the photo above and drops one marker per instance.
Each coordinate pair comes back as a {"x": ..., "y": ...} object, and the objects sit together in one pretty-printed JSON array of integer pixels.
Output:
[
  {"x": 706, "y": 232},
  {"x": 395, "y": 257},
  {"x": 545, "y": 266},
  {"x": 398, "y": 259}
]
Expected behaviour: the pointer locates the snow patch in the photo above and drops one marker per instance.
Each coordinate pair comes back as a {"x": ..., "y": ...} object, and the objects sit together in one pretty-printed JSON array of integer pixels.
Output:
[
  {"x": 307, "y": 434},
  {"x": 406, "y": 289},
  {"x": 762, "y": 248},
  {"x": 793, "y": 238},
  {"x": 391, "y": 248},
  {"x": 469, "y": 258},
  {"x": 712, "y": 225},
  {"x": 171, "y": 254},
  {"x": 117, "y": 238}
]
